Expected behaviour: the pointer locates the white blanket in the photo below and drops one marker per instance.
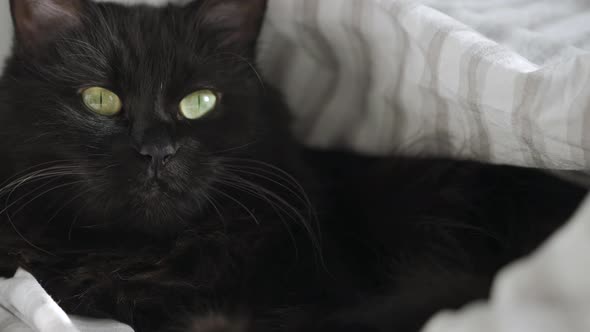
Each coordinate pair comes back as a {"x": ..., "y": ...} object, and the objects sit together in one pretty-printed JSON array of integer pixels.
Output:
[
  {"x": 504, "y": 81},
  {"x": 25, "y": 307},
  {"x": 388, "y": 76}
]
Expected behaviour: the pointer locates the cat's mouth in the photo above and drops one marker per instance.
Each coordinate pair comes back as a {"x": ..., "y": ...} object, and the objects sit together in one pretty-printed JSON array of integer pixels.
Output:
[
  {"x": 152, "y": 191},
  {"x": 155, "y": 203}
]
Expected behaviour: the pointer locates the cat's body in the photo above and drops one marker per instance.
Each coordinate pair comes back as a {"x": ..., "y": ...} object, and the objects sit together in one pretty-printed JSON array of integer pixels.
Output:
[
  {"x": 431, "y": 236},
  {"x": 222, "y": 223}
]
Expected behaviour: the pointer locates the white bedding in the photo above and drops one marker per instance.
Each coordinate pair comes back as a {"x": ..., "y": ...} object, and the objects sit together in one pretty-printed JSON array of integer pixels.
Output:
[{"x": 504, "y": 81}]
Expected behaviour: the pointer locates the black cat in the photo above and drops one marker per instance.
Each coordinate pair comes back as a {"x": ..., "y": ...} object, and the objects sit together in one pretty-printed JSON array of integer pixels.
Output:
[{"x": 149, "y": 176}]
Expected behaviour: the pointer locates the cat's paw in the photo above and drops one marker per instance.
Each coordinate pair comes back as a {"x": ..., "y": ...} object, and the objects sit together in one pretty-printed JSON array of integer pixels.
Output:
[{"x": 217, "y": 323}]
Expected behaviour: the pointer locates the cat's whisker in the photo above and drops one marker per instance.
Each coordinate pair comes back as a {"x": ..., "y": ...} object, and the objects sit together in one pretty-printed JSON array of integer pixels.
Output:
[
  {"x": 178, "y": 216},
  {"x": 249, "y": 188},
  {"x": 282, "y": 175},
  {"x": 33, "y": 139},
  {"x": 259, "y": 191},
  {"x": 237, "y": 202},
  {"x": 284, "y": 186},
  {"x": 243, "y": 146},
  {"x": 212, "y": 201},
  {"x": 76, "y": 218},
  {"x": 32, "y": 168},
  {"x": 13, "y": 225},
  {"x": 297, "y": 216},
  {"x": 240, "y": 186},
  {"x": 19, "y": 234},
  {"x": 11, "y": 188},
  {"x": 275, "y": 168},
  {"x": 68, "y": 203},
  {"x": 8, "y": 204},
  {"x": 10, "y": 191},
  {"x": 40, "y": 195},
  {"x": 296, "y": 189},
  {"x": 22, "y": 177},
  {"x": 50, "y": 173}
]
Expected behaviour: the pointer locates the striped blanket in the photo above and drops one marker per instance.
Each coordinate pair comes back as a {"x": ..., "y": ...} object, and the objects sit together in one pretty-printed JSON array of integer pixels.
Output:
[{"x": 507, "y": 81}]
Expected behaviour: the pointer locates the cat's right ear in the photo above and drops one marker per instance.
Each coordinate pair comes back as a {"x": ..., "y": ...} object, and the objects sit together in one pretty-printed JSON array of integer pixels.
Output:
[{"x": 38, "y": 21}]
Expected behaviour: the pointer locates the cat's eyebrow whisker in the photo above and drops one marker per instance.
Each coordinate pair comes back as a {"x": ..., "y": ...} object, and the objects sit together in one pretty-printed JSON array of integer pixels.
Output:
[{"x": 249, "y": 63}]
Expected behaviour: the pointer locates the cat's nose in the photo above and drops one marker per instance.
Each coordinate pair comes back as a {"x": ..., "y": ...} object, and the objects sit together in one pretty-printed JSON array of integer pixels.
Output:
[
  {"x": 155, "y": 143},
  {"x": 160, "y": 154}
]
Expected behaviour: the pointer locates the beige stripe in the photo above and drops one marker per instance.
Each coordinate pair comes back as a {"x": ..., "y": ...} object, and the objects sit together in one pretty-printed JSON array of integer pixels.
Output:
[
  {"x": 283, "y": 54},
  {"x": 362, "y": 48},
  {"x": 577, "y": 132},
  {"x": 527, "y": 88},
  {"x": 585, "y": 143},
  {"x": 399, "y": 116},
  {"x": 316, "y": 44},
  {"x": 433, "y": 63},
  {"x": 472, "y": 74},
  {"x": 536, "y": 108}
]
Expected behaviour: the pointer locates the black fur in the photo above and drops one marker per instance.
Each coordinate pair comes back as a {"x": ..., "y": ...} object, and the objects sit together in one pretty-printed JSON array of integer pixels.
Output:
[{"x": 242, "y": 230}]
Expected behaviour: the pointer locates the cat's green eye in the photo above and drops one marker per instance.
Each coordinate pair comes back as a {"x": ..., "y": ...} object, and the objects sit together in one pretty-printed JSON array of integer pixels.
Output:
[
  {"x": 197, "y": 104},
  {"x": 102, "y": 101}
]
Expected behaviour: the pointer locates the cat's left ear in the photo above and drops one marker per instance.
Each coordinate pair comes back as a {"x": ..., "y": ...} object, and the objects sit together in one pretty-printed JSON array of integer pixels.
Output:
[
  {"x": 37, "y": 21},
  {"x": 237, "y": 23}
]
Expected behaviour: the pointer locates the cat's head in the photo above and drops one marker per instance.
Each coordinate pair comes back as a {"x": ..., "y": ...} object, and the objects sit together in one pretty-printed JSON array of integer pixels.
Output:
[{"x": 138, "y": 111}]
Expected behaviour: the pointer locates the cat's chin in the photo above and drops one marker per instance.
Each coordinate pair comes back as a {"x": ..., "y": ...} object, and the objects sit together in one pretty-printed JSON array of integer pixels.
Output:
[
  {"x": 154, "y": 208},
  {"x": 158, "y": 220}
]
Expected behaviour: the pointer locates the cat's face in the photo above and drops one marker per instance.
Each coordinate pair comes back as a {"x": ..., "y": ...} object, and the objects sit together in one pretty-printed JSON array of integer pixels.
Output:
[{"x": 139, "y": 108}]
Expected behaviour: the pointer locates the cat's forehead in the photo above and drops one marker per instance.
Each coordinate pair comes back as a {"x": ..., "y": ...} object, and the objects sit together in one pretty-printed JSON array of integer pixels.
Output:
[
  {"x": 142, "y": 48},
  {"x": 135, "y": 45},
  {"x": 146, "y": 25}
]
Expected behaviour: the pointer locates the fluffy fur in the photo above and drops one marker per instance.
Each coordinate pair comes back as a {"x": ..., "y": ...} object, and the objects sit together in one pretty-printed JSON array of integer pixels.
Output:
[{"x": 241, "y": 230}]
